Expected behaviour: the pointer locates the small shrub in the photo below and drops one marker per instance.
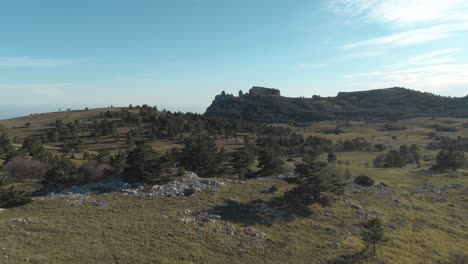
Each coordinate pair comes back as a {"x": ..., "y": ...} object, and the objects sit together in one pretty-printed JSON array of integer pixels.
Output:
[
  {"x": 94, "y": 172},
  {"x": 19, "y": 169},
  {"x": 274, "y": 188},
  {"x": 189, "y": 192},
  {"x": 3, "y": 179},
  {"x": 10, "y": 197},
  {"x": 364, "y": 180}
]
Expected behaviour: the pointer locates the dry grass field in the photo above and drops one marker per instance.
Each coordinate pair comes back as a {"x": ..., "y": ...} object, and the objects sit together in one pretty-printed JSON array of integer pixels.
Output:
[{"x": 422, "y": 225}]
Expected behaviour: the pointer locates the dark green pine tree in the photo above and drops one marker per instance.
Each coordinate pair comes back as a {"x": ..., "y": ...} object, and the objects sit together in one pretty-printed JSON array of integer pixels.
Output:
[
  {"x": 314, "y": 179},
  {"x": 200, "y": 155},
  {"x": 5, "y": 144},
  {"x": 146, "y": 165},
  {"x": 331, "y": 158},
  {"x": 242, "y": 160},
  {"x": 449, "y": 159},
  {"x": 373, "y": 233},
  {"x": 270, "y": 162}
]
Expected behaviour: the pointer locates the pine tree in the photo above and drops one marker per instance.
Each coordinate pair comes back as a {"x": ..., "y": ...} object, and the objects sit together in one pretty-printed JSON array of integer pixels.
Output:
[
  {"x": 5, "y": 144},
  {"x": 146, "y": 165},
  {"x": 314, "y": 179},
  {"x": 270, "y": 162},
  {"x": 331, "y": 157},
  {"x": 242, "y": 161},
  {"x": 200, "y": 155},
  {"x": 373, "y": 233},
  {"x": 449, "y": 159}
]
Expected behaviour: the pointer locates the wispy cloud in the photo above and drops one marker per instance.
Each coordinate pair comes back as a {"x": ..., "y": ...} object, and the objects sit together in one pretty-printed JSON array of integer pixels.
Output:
[
  {"x": 33, "y": 62},
  {"x": 411, "y": 37},
  {"x": 412, "y": 22},
  {"x": 402, "y": 13},
  {"x": 434, "y": 71}
]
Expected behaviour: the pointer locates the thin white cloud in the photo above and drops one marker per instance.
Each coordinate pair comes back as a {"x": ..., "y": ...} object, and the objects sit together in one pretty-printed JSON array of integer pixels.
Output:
[
  {"x": 411, "y": 37},
  {"x": 431, "y": 72},
  {"x": 32, "y": 62},
  {"x": 402, "y": 13},
  {"x": 412, "y": 21}
]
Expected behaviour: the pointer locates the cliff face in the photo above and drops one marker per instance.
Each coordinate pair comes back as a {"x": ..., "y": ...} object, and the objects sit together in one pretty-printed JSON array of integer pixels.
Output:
[
  {"x": 267, "y": 105},
  {"x": 257, "y": 90}
]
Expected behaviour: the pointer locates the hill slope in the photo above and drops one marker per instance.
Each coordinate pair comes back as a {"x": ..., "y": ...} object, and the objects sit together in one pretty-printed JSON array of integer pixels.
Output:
[{"x": 264, "y": 104}]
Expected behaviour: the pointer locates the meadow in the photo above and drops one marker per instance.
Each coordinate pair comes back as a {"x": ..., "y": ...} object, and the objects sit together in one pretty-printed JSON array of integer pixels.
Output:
[{"x": 423, "y": 225}]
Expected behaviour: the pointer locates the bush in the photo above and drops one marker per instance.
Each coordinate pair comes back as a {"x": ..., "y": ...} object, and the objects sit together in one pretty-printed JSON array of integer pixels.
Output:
[
  {"x": 364, "y": 180},
  {"x": 189, "y": 192},
  {"x": 449, "y": 159},
  {"x": 274, "y": 188},
  {"x": 93, "y": 172},
  {"x": 10, "y": 197},
  {"x": 64, "y": 174},
  {"x": 20, "y": 168},
  {"x": 146, "y": 165},
  {"x": 3, "y": 179}
]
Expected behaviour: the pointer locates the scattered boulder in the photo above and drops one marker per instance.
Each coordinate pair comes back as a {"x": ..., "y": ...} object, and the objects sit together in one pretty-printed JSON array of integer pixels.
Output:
[
  {"x": 22, "y": 220},
  {"x": 431, "y": 193},
  {"x": 255, "y": 233},
  {"x": 85, "y": 199},
  {"x": 327, "y": 214},
  {"x": 384, "y": 189},
  {"x": 230, "y": 230},
  {"x": 185, "y": 212},
  {"x": 206, "y": 218},
  {"x": 186, "y": 220},
  {"x": 336, "y": 244},
  {"x": 259, "y": 235}
]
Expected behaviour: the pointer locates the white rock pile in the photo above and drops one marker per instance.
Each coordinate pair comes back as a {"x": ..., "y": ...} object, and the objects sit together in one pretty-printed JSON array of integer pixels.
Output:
[{"x": 184, "y": 185}]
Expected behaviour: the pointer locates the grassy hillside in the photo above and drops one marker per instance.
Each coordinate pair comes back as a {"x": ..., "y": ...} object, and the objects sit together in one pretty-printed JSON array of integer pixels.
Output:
[{"x": 423, "y": 225}]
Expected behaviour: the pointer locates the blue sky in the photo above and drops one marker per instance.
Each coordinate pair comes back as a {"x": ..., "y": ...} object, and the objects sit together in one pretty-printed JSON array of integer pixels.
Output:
[{"x": 180, "y": 53}]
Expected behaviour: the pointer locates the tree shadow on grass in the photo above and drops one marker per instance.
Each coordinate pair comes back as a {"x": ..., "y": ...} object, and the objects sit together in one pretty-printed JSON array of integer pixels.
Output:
[
  {"x": 356, "y": 258},
  {"x": 260, "y": 212}
]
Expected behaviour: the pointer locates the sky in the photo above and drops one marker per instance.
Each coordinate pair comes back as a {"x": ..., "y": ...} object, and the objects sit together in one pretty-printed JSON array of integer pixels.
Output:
[{"x": 178, "y": 54}]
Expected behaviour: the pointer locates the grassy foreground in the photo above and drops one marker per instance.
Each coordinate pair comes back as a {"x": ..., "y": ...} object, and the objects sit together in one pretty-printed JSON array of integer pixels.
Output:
[{"x": 147, "y": 230}]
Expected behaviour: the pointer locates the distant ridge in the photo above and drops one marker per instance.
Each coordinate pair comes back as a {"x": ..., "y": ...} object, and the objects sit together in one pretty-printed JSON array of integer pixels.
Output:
[{"x": 267, "y": 105}]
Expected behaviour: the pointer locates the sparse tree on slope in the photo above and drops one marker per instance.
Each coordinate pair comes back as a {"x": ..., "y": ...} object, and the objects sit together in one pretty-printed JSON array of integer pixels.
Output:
[
  {"x": 316, "y": 178},
  {"x": 242, "y": 161},
  {"x": 449, "y": 159},
  {"x": 373, "y": 233},
  {"x": 146, "y": 165},
  {"x": 270, "y": 162},
  {"x": 200, "y": 154}
]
